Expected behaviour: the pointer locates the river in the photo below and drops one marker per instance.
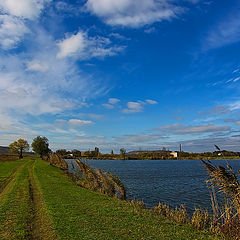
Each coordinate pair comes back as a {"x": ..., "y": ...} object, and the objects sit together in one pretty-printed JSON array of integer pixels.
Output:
[{"x": 173, "y": 182}]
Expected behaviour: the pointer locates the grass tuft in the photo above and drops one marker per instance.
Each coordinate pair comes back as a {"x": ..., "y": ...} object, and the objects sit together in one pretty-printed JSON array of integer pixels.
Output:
[{"x": 96, "y": 180}]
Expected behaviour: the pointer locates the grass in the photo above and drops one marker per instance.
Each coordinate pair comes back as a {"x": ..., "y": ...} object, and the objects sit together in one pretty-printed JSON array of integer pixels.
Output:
[
  {"x": 226, "y": 218},
  {"x": 7, "y": 168},
  {"x": 15, "y": 208},
  {"x": 8, "y": 157},
  {"x": 41, "y": 202},
  {"x": 78, "y": 213}
]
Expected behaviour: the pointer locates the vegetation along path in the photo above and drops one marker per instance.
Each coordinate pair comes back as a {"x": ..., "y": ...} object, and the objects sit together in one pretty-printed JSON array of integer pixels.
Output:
[
  {"x": 43, "y": 203},
  {"x": 22, "y": 211},
  {"x": 8, "y": 171}
]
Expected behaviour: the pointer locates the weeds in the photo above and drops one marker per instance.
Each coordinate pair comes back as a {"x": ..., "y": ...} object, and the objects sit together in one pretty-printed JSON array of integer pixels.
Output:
[
  {"x": 201, "y": 219},
  {"x": 227, "y": 219},
  {"x": 138, "y": 206},
  {"x": 96, "y": 180},
  {"x": 57, "y": 161},
  {"x": 178, "y": 214}
]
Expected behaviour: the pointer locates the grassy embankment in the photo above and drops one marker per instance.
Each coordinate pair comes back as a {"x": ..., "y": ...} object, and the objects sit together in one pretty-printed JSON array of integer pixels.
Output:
[{"x": 41, "y": 202}]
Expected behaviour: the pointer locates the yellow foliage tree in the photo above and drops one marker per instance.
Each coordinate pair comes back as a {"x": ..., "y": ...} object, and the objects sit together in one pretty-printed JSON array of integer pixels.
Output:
[{"x": 19, "y": 147}]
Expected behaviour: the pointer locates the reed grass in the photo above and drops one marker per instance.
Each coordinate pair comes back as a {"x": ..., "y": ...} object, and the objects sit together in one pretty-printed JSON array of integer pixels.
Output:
[
  {"x": 226, "y": 219},
  {"x": 103, "y": 182},
  {"x": 57, "y": 161},
  {"x": 179, "y": 214},
  {"x": 201, "y": 219}
]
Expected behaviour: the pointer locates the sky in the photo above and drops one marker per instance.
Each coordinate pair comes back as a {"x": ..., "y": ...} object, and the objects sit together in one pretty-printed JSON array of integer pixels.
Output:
[{"x": 137, "y": 74}]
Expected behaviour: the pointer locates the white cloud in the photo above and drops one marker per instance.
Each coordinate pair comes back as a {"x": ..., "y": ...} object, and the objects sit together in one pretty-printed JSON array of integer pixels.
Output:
[
  {"x": 182, "y": 129},
  {"x": 133, "y": 107},
  {"x": 108, "y": 106},
  {"x": 234, "y": 106},
  {"x": 84, "y": 47},
  {"x": 36, "y": 82},
  {"x": 113, "y": 100},
  {"x": 133, "y": 13},
  {"x": 111, "y": 103},
  {"x": 36, "y": 66},
  {"x": 236, "y": 79},
  {"x": 78, "y": 122},
  {"x": 14, "y": 16},
  {"x": 151, "y": 101},
  {"x": 12, "y": 30},
  {"x": 71, "y": 45},
  {"x": 29, "y": 9},
  {"x": 227, "y": 31}
]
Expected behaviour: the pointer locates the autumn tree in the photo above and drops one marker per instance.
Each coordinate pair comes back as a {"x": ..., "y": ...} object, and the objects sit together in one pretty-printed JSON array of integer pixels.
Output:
[
  {"x": 61, "y": 152},
  {"x": 40, "y": 146},
  {"x": 19, "y": 147},
  {"x": 122, "y": 153},
  {"x": 76, "y": 153}
]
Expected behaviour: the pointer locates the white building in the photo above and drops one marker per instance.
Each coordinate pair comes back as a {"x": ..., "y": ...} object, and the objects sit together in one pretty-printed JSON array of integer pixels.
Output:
[{"x": 174, "y": 154}]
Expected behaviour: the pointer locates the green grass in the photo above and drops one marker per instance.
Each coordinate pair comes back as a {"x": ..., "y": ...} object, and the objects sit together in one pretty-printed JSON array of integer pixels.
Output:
[
  {"x": 15, "y": 208},
  {"x": 78, "y": 213},
  {"x": 6, "y": 168}
]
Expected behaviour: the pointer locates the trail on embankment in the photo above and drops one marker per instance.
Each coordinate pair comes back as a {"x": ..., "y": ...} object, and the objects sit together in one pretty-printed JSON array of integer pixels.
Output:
[
  {"x": 23, "y": 213},
  {"x": 39, "y": 202},
  {"x": 42, "y": 227}
]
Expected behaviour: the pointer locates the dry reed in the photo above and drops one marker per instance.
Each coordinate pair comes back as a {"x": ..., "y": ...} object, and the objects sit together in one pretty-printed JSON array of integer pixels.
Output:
[
  {"x": 57, "y": 161},
  {"x": 102, "y": 182},
  {"x": 227, "y": 219},
  {"x": 201, "y": 219},
  {"x": 178, "y": 214}
]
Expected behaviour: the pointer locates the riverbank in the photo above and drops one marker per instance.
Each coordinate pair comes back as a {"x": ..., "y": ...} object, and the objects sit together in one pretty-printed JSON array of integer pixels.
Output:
[
  {"x": 71, "y": 212},
  {"x": 163, "y": 159}
]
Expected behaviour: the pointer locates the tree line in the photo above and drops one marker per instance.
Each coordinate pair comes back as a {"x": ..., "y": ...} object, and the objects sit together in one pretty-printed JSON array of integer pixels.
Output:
[{"x": 40, "y": 146}]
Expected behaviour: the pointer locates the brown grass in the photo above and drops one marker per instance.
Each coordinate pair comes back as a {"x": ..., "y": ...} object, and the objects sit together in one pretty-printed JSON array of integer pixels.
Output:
[
  {"x": 201, "y": 219},
  {"x": 226, "y": 219},
  {"x": 57, "y": 161},
  {"x": 178, "y": 214},
  {"x": 96, "y": 180},
  {"x": 8, "y": 157}
]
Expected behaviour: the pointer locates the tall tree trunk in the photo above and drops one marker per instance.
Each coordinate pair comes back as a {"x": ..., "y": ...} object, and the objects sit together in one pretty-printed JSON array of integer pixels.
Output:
[{"x": 21, "y": 153}]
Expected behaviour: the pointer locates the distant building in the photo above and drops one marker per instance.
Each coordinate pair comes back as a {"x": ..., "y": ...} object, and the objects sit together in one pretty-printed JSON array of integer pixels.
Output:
[{"x": 174, "y": 154}]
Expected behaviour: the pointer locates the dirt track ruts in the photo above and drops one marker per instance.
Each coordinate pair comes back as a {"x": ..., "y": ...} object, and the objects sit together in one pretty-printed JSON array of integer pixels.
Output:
[
  {"x": 41, "y": 225},
  {"x": 8, "y": 182}
]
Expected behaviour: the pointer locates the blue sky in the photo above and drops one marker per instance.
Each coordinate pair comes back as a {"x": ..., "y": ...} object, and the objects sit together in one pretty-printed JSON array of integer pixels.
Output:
[{"x": 129, "y": 73}]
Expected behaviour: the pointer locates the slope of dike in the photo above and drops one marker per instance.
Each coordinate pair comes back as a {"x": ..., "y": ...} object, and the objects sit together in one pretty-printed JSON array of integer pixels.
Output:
[{"x": 43, "y": 203}]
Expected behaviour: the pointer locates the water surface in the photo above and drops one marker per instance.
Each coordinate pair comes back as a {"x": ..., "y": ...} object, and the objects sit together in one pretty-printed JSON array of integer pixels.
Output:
[{"x": 171, "y": 181}]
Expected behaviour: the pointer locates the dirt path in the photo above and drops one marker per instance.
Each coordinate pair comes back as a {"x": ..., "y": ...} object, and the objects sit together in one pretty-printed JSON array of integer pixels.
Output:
[
  {"x": 4, "y": 188},
  {"x": 41, "y": 224}
]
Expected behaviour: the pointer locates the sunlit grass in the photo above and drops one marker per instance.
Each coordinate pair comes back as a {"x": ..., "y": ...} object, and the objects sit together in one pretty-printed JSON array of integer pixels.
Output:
[{"x": 79, "y": 213}]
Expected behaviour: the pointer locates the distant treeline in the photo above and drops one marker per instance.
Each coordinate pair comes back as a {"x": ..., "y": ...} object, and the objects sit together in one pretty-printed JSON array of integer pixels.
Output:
[{"x": 151, "y": 155}]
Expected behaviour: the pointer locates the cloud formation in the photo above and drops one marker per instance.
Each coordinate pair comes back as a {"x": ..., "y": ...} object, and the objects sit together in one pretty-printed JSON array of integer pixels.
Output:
[
  {"x": 112, "y": 102},
  {"x": 82, "y": 46},
  {"x": 198, "y": 129},
  {"x": 225, "y": 32},
  {"x": 12, "y": 30},
  {"x": 135, "y": 107},
  {"x": 133, "y": 13},
  {"x": 29, "y": 9},
  {"x": 14, "y": 16},
  {"x": 79, "y": 122}
]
